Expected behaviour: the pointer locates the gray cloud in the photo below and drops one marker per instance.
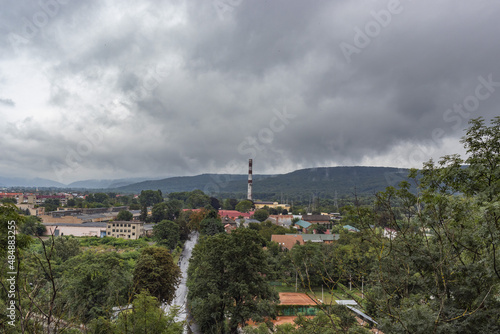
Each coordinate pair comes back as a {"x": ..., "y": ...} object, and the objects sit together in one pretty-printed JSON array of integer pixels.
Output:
[
  {"x": 181, "y": 87},
  {"x": 7, "y": 102}
]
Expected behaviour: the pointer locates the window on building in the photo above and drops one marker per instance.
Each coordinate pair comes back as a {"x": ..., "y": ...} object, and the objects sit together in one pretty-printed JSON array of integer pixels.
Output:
[
  {"x": 113, "y": 230},
  {"x": 109, "y": 233},
  {"x": 129, "y": 236},
  {"x": 133, "y": 233},
  {"x": 133, "y": 227}
]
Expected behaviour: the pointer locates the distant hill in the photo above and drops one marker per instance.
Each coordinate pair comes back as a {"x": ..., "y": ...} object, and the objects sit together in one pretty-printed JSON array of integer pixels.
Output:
[
  {"x": 326, "y": 182},
  {"x": 205, "y": 182},
  {"x": 22, "y": 182},
  {"x": 105, "y": 183}
]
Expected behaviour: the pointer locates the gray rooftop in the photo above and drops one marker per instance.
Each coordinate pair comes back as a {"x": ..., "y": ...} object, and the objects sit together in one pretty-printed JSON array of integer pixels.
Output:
[
  {"x": 86, "y": 224},
  {"x": 320, "y": 237}
]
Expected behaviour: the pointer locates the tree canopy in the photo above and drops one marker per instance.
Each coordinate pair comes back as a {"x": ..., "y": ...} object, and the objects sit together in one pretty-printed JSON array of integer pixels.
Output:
[
  {"x": 167, "y": 233},
  {"x": 124, "y": 215},
  {"x": 227, "y": 281},
  {"x": 156, "y": 272},
  {"x": 244, "y": 206}
]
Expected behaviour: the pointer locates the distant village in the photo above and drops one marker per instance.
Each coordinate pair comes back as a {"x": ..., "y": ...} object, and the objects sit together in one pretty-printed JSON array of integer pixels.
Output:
[
  {"x": 101, "y": 222},
  {"x": 68, "y": 216}
]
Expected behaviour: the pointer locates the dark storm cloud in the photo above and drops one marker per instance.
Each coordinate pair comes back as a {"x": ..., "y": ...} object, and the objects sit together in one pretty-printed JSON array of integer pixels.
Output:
[{"x": 185, "y": 87}]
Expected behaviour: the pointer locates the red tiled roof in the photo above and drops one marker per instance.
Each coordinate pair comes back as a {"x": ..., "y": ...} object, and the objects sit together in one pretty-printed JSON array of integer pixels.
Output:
[{"x": 288, "y": 241}]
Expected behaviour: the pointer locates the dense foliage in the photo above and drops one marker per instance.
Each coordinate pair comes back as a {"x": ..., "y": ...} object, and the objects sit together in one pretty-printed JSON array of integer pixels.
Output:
[
  {"x": 156, "y": 273},
  {"x": 227, "y": 281}
]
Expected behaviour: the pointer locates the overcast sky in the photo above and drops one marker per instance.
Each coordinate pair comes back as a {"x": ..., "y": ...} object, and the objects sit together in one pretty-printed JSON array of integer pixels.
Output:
[{"x": 112, "y": 89}]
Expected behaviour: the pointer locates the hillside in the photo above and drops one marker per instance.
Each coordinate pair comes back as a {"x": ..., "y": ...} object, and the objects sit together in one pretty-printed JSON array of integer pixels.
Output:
[
  {"x": 24, "y": 182},
  {"x": 324, "y": 182}
]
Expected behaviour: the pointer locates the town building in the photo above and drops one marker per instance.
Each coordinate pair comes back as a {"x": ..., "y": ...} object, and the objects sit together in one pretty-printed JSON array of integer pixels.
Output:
[
  {"x": 325, "y": 220},
  {"x": 130, "y": 230},
  {"x": 274, "y": 205},
  {"x": 320, "y": 238},
  {"x": 89, "y": 229},
  {"x": 303, "y": 226},
  {"x": 281, "y": 220}
]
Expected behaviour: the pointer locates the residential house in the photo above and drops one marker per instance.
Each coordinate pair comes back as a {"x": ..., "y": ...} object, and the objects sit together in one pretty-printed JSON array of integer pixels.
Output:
[
  {"x": 303, "y": 226},
  {"x": 325, "y": 220},
  {"x": 281, "y": 220},
  {"x": 288, "y": 240},
  {"x": 226, "y": 220}
]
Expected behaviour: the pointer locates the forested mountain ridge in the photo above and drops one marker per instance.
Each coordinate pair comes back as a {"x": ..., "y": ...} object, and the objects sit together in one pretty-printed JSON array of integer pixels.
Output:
[{"x": 326, "y": 182}]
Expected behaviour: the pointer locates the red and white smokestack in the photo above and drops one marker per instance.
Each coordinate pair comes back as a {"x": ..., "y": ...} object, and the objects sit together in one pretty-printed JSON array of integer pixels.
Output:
[{"x": 249, "y": 196}]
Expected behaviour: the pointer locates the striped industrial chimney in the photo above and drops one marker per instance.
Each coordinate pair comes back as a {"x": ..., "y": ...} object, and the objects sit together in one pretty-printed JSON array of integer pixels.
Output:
[{"x": 249, "y": 196}]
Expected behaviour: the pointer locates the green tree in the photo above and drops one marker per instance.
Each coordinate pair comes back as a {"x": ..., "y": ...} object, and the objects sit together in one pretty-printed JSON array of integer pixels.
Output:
[
  {"x": 51, "y": 204},
  {"x": 124, "y": 215},
  {"x": 215, "y": 203},
  {"x": 150, "y": 197},
  {"x": 261, "y": 215},
  {"x": 148, "y": 317},
  {"x": 157, "y": 273},
  {"x": 33, "y": 226},
  {"x": 145, "y": 316},
  {"x": 134, "y": 206},
  {"x": 440, "y": 272},
  {"x": 71, "y": 202},
  {"x": 230, "y": 203},
  {"x": 144, "y": 213},
  {"x": 227, "y": 281},
  {"x": 197, "y": 199},
  {"x": 66, "y": 247},
  {"x": 244, "y": 206},
  {"x": 167, "y": 233},
  {"x": 98, "y": 198},
  {"x": 166, "y": 210},
  {"x": 94, "y": 283},
  {"x": 8, "y": 200},
  {"x": 211, "y": 226},
  {"x": 10, "y": 221},
  {"x": 320, "y": 229}
]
